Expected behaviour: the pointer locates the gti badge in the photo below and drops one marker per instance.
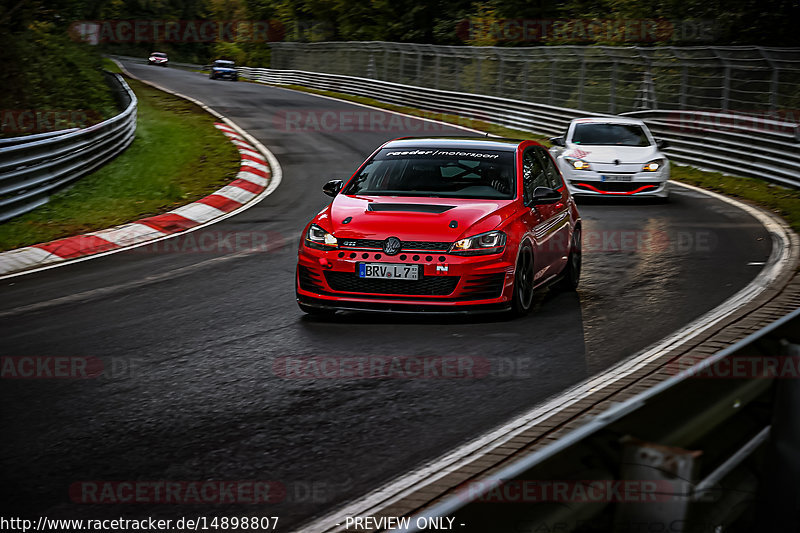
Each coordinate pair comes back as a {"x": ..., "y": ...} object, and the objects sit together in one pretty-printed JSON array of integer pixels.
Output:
[
  {"x": 442, "y": 268},
  {"x": 392, "y": 245}
]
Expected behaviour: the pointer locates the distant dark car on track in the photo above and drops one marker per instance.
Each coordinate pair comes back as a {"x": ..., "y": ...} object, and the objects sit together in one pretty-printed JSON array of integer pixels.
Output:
[
  {"x": 445, "y": 225},
  {"x": 158, "y": 58},
  {"x": 222, "y": 69}
]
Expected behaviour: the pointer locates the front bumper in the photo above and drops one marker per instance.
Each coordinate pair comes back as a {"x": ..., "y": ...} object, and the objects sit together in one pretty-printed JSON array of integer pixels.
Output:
[
  {"x": 592, "y": 183},
  {"x": 222, "y": 75},
  {"x": 326, "y": 279}
]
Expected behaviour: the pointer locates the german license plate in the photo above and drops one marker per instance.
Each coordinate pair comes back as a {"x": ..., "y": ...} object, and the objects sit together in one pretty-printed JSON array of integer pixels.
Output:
[
  {"x": 388, "y": 271},
  {"x": 616, "y": 177}
]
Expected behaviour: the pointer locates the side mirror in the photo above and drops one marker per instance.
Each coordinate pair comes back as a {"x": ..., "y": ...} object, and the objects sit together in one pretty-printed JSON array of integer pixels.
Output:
[
  {"x": 333, "y": 187},
  {"x": 661, "y": 144},
  {"x": 545, "y": 195},
  {"x": 557, "y": 141}
]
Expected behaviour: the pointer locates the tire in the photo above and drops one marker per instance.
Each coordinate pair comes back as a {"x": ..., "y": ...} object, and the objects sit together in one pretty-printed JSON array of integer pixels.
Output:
[
  {"x": 522, "y": 300},
  {"x": 571, "y": 276}
]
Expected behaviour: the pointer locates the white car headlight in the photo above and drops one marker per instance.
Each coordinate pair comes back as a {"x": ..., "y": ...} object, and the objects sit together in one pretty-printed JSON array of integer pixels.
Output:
[
  {"x": 578, "y": 164},
  {"x": 320, "y": 239},
  {"x": 653, "y": 166},
  {"x": 491, "y": 242}
]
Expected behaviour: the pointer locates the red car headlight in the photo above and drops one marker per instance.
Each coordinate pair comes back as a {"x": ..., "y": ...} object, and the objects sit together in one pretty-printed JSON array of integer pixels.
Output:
[
  {"x": 491, "y": 242},
  {"x": 318, "y": 238}
]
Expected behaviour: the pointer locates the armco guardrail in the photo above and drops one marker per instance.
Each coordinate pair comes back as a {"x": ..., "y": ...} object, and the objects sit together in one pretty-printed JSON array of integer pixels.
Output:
[
  {"x": 750, "y": 80},
  {"x": 715, "y": 444},
  {"x": 35, "y": 167},
  {"x": 735, "y": 144}
]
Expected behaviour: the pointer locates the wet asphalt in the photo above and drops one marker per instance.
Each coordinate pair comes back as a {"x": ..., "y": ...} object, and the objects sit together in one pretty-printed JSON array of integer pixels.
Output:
[{"x": 192, "y": 342}]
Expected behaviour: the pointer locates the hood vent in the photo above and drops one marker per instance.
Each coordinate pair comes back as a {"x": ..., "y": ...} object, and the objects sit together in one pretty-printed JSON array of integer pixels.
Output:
[{"x": 409, "y": 208}]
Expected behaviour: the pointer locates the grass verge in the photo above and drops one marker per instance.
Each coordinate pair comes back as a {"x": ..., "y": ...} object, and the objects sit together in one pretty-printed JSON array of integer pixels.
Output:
[
  {"x": 780, "y": 200},
  {"x": 177, "y": 157}
]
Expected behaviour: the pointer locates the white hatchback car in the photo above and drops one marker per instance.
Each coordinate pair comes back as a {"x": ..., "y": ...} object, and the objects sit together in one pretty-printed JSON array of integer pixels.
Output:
[{"x": 612, "y": 156}]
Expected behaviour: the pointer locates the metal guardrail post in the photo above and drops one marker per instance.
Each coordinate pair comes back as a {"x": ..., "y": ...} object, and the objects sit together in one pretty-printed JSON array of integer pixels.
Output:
[
  {"x": 552, "y": 99},
  {"x": 612, "y": 97},
  {"x": 774, "y": 81},
  {"x": 437, "y": 66},
  {"x": 582, "y": 80},
  {"x": 668, "y": 472}
]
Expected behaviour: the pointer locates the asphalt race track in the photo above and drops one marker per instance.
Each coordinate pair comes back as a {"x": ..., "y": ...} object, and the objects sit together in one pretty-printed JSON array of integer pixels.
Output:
[{"x": 189, "y": 340}]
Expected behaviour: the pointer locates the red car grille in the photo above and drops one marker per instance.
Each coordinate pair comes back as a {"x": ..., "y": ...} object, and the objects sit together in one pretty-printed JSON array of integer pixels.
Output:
[
  {"x": 375, "y": 244},
  {"x": 425, "y": 286},
  {"x": 308, "y": 279},
  {"x": 484, "y": 287}
]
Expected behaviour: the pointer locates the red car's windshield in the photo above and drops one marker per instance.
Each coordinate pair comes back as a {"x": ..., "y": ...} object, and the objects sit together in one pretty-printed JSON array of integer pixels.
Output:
[{"x": 437, "y": 172}]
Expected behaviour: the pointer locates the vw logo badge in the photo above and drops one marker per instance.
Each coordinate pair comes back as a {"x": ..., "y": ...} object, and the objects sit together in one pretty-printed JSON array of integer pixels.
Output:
[{"x": 392, "y": 245}]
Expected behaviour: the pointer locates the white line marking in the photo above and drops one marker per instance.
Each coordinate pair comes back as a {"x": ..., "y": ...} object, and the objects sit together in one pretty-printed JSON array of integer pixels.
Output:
[
  {"x": 257, "y": 166},
  {"x": 25, "y": 257},
  {"x": 198, "y": 212},
  {"x": 128, "y": 234},
  {"x": 252, "y": 178},
  {"x": 237, "y": 194}
]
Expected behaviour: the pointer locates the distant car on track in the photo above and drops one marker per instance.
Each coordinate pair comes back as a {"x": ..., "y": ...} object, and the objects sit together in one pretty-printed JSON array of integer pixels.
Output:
[
  {"x": 222, "y": 69},
  {"x": 445, "y": 225},
  {"x": 612, "y": 156},
  {"x": 158, "y": 58}
]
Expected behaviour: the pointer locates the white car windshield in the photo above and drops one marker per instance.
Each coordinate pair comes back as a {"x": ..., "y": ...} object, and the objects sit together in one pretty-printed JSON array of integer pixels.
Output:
[{"x": 610, "y": 134}]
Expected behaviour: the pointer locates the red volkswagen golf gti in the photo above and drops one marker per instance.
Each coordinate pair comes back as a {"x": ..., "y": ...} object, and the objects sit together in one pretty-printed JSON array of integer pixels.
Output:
[{"x": 445, "y": 225}]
